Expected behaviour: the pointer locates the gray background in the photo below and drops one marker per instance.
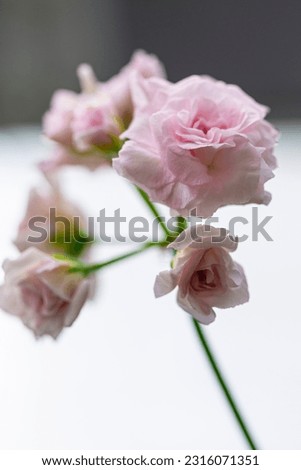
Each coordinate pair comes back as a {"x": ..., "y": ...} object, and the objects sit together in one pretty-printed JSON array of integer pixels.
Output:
[{"x": 255, "y": 44}]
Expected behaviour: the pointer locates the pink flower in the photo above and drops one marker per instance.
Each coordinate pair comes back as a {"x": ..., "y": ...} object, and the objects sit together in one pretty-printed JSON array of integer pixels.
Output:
[
  {"x": 64, "y": 156},
  {"x": 95, "y": 123},
  {"x": 59, "y": 237},
  {"x": 204, "y": 272},
  {"x": 42, "y": 292},
  {"x": 141, "y": 65},
  {"x": 87, "y": 125},
  {"x": 198, "y": 144},
  {"x": 57, "y": 121}
]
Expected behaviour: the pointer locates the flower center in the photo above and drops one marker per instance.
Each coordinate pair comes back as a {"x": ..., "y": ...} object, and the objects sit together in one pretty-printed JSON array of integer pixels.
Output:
[
  {"x": 201, "y": 124},
  {"x": 204, "y": 279}
]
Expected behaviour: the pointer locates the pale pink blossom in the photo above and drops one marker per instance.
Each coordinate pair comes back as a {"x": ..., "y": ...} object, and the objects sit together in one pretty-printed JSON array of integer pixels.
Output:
[
  {"x": 39, "y": 204},
  {"x": 42, "y": 292},
  {"x": 57, "y": 121},
  {"x": 86, "y": 132},
  {"x": 95, "y": 123},
  {"x": 119, "y": 87},
  {"x": 198, "y": 144},
  {"x": 204, "y": 272},
  {"x": 87, "y": 125},
  {"x": 63, "y": 156}
]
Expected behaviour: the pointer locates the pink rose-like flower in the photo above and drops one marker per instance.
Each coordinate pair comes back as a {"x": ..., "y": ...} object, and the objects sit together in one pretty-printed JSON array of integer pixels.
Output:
[
  {"x": 42, "y": 292},
  {"x": 57, "y": 240},
  {"x": 198, "y": 144},
  {"x": 204, "y": 272},
  {"x": 87, "y": 125},
  {"x": 109, "y": 98},
  {"x": 57, "y": 121}
]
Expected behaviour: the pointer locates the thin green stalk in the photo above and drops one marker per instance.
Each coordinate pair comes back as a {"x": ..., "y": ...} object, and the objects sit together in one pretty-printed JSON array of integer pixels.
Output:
[
  {"x": 182, "y": 224},
  {"x": 88, "y": 269},
  {"x": 154, "y": 211},
  {"x": 225, "y": 388}
]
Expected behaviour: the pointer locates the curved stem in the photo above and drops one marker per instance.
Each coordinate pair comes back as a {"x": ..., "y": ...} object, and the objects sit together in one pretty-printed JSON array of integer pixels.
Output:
[
  {"x": 89, "y": 268},
  {"x": 154, "y": 211},
  {"x": 182, "y": 224},
  {"x": 225, "y": 388}
]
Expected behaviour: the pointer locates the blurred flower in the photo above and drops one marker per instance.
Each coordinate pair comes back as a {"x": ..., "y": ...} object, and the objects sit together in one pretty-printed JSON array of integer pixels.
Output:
[
  {"x": 62, "y": 156},
  {"x": 64, "y": 231},
  {"x": 57, "y": 121},
  {"x": 198, "y": 144},
  {"x": 95, "y": 124},
  {"x": 204, "y": 272},
  {"x": 42, "y": 292},
  {"x": 141, "y": 65},
  {"x": 88, "y": 124}
]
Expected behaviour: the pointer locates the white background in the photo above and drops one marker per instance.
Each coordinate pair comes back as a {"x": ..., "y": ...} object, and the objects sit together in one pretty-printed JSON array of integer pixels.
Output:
[{"x": 130, "y": 373}]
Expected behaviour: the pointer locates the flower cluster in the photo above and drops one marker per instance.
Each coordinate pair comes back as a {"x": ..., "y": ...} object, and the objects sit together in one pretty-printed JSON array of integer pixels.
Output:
[
  {"x": 195, "y": 145},
  {"x": 86, "y": 126}
]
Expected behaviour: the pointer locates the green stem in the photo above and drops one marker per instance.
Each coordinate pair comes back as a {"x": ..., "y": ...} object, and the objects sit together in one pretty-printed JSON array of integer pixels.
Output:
[
  {"x": 154, "y": 211},
  {"x": 182, "y": 224},
  {"x": 225, "y": 388},
  {"x": 88, "y": 269}
]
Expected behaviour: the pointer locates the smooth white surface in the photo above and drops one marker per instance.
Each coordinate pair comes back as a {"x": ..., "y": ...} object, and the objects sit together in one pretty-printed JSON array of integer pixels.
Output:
[{"x": 130, "y": 373}]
